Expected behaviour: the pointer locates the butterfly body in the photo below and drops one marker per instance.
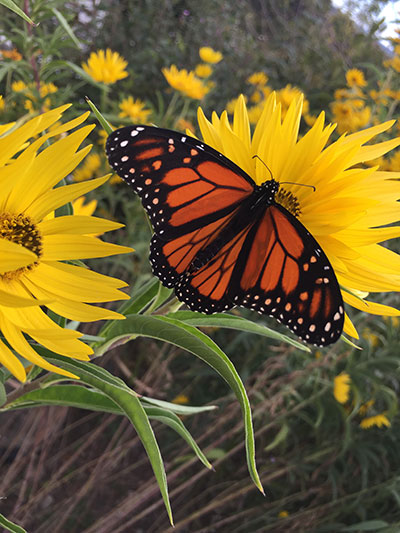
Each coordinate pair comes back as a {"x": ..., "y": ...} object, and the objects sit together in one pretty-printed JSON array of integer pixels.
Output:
[{"x": 220, "y": 240}]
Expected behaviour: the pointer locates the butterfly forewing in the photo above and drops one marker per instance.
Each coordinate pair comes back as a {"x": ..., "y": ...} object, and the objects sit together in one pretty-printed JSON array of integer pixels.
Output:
[
  {"x": 220, "y": 241},
  {"x": 182, "y": 187}
]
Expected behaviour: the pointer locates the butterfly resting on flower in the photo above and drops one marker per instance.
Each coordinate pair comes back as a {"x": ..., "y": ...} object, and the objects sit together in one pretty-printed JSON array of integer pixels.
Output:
[{"x": 220, "y": 240}]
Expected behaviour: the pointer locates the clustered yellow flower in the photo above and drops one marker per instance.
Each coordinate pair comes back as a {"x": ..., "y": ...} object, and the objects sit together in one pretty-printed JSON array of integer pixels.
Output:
[
  {"x": 349, "y": 109},
  {"x": 35, "y": 98},
  {"x": 106, "y": 66},
  {"x": 89, "y": 168},
  {"x": 186, "y": 82},
  {"x": 341, "y": 387},
  {"x": 37, "y": 249},
  {"x": 203, "y": 70},
  {"x": 135, "y": 109},
  {"x": 208, "y": 55}
]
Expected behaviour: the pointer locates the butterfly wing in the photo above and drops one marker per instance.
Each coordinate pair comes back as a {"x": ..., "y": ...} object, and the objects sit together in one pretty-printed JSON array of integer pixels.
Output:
[
  {"x": 190, "y": 192},
  {"x": 183, "y": 183},
  {"x": 283, "y": 272}
]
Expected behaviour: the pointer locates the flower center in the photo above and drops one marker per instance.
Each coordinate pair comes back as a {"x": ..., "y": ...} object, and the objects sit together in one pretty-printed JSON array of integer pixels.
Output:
[
  {"x": 288, "y": 200},
  {"x": 21, "y": 230}
]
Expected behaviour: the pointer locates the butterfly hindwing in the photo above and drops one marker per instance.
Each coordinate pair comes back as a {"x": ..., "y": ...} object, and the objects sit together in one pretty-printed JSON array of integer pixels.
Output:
[{"x": 283, "y": 272}]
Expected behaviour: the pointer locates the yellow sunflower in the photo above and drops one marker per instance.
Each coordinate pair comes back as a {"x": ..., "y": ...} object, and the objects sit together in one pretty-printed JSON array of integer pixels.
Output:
[
  {"x": 185, "y": 82},
  {"x": 34, "y": 245},
  {"x": 208, "y": 55},
  {"x": 106, "y": 66},
  {"x": 135, "y": 109},
  {"x": 355, "y": 78},
  {"x": 350, "y": 204},
  {"x": 341, "y": 387},
  {"x": 377, "y": 420}
]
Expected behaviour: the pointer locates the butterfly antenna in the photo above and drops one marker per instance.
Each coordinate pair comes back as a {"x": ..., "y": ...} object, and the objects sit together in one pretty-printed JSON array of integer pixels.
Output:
[
  {"x": 265, "y": 165},
  {"x": 299, "y": 184}
]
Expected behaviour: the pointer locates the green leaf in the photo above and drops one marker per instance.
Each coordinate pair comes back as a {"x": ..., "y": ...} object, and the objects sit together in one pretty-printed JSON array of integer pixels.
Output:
[
  {"x": 280, "y": 437},
  {"x": 64, "y": 23},
  {"x": 13, "y": 7},
  {"x": 10, "y": 526},
  {"x": 128, "y": 402},
  {"x": 3, "y": 395},
  {"x": 179, "y": 409},
  {"x": 368, "y": 525},
  {"x": 141, "y": 298},
  {"x": 194, "y": 341},
  {"x": 225, "y": 320},
  {"x": 84, "y": 398},
  {"x": 107, "y": 127}
]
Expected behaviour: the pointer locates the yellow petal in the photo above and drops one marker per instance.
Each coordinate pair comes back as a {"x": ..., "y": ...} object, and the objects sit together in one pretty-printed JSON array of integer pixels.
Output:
[
  {"x": 369, "y": 307},
  {"x": 14, "y": 256},
  {"x": 55, "y": 198},
  {"x": 78, "y": 247},
  {"x": 12, "y": 363},
  {"x": 78, "y": 224},
  {"x": 72, "y": 286}
]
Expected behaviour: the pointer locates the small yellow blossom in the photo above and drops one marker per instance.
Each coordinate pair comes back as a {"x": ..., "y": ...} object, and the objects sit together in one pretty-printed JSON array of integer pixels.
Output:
[
  {"x": 365, "y": 407},
  {"x": 18, "y": 86},
  {"x": 2, "y": 103},
  {"x": 283, "y": 514},
  {"x": 394, "y": 62},
  {"x": 258, "y": 78},
  {"x": 181, "y": 399},
  {"x": 377, "y": 420},
  {"x": 203, "y": 70},
  {"x": 106, "y": 66},
  {"x": 370, "y": 337},
  {"x": 340, "y": 94},
  {"x": 341, "y": 387},
  {"x": 208, "y": 55},
  {"x": 185, "y": 82},
  {"x": 287, "y": 95},
  {"x": 13, "y": 54},
  {"x": 184, "y": 125},
  {"x": 135, "y": 109},
  {"x": 85, "y": 209},
  {"x": 88, "y": 169},
  {"x": 355, "y": 78}
]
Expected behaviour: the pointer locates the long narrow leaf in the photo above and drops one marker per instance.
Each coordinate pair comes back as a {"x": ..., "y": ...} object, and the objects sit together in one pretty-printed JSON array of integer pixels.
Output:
[
  {"x": 10, "y": 526},
  {"x": 129, "y": 403},
  {"x": 84, "y": 398},
  {"x": 13, "y": 7},
  {"x": 194, "y": 341}
]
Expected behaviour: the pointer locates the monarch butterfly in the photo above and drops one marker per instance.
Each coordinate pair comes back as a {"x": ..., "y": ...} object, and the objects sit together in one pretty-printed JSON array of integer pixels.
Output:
[{"x": 220, "y": 240}]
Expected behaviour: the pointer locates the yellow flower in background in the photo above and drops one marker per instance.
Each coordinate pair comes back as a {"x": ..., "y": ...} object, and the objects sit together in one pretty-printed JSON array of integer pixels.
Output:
[
  {"x": 184, "y": 125},
  {"x": 377, "y": 420},
  {"x": 208, "y": 55},
  {"x": 394, "y": 62},
  {"x": 2, "y": 104},
  {"x": 185, "y": 82},
  {"x": 181, "y": 399},
  {"x": 34, "y": 246},
  {"x": 355, "y": 78},
  {"x": 258, "y": 78},
  {"x": 135, "y": 109},
  {"x": 350, "y": 204},
  {"x": 106, "y": 66},
  {"x": 370, "y": 337},
  {"x": 18, "y": 86},
  {"x": 364, "y": 408},
  {"x": 89, "y": 168},
  {"x": 283, "y": 514},
  {"x": 340, "y": 94},
  {"x": 287, "y": 95},
  {"x": 350, "y": 117},
  {"x": 80, "y": 207},
  {"x": 13, "y": 54},
  {"x": 341, "y": 387},
  {"x": 203, "y": 70}
]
